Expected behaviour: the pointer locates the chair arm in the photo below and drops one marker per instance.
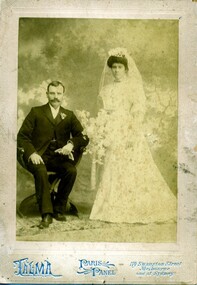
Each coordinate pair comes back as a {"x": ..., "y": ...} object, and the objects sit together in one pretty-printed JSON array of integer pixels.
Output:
[
  {"x": 80, "y": 152},
  {"x": 20, "y": 158}
]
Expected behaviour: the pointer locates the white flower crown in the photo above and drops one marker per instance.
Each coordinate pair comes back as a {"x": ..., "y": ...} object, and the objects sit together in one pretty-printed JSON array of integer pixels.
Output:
[{"x": 119, "y": 52}]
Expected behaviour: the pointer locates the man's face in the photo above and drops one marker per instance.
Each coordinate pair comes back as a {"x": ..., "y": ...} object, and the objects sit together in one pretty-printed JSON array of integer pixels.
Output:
[{"x": 55, "y": 95}]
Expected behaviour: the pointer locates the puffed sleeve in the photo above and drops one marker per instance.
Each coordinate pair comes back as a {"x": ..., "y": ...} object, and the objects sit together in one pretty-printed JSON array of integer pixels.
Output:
[
  {"x": 99, "y": 102},
  {"x": 138, "y": 103},
  {"x": 101, "y": 98},
  {"x": 104, "y": 98}
]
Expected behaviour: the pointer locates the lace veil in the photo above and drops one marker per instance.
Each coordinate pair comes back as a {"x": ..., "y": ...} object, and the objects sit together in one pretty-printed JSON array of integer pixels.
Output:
[
  {"x": 133, "y": 73},
  {"x": 134, "y": 89}
]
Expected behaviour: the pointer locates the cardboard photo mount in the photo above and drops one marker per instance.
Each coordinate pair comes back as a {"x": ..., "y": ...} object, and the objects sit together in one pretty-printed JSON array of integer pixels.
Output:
[{"x": 87, "y": 262}]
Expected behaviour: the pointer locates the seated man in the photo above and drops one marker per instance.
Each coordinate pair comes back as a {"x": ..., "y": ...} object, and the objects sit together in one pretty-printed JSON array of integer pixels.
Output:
[{"x": 51, "y": 137}]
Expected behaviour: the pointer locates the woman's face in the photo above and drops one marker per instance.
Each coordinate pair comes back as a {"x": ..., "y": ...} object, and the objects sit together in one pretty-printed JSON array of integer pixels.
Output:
[{"x": 118, "y": 71}]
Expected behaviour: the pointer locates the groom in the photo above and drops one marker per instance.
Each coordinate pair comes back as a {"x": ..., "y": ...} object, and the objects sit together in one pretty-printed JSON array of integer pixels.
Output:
[{"x": 51, "y": 138}]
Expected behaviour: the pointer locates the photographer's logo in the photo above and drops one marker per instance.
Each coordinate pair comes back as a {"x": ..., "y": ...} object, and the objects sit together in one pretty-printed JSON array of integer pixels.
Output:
[
  {"x": 24, "y": 267},
  {"x": 96, "y": 268}
]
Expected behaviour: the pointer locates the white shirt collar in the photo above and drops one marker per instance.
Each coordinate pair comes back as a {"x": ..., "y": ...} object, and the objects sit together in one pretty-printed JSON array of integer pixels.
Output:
[{"x": 54, "y": 111}]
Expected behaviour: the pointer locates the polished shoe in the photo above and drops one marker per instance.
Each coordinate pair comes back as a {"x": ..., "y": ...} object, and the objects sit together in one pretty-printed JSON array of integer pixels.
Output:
[
  {"x": 46, "y": 221},
  {"x": 59, "y": 217}
]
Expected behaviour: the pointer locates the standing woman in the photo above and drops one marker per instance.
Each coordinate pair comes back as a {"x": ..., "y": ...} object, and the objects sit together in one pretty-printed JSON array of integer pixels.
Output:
[{"x": 131, "y": 188}]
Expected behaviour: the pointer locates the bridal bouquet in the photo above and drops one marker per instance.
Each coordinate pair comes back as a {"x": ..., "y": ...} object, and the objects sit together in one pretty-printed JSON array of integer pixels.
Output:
[{"x": 98, "y": 131}]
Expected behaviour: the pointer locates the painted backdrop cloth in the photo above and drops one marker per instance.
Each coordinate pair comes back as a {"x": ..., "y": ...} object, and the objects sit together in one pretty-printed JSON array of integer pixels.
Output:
[{"x": 131, "y": 188}]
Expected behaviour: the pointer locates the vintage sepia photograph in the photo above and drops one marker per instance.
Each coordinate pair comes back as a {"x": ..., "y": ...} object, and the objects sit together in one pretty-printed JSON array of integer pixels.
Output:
[
  {"x": 97, "y": 128},
  {"x": 98, "y": 142}
]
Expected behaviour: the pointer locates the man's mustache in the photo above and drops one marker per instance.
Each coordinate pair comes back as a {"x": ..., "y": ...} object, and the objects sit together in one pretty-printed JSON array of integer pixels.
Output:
[{"x": 55, "y": 100}]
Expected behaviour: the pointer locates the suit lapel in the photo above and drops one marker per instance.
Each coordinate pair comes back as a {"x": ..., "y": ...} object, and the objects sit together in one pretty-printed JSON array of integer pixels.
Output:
[
  {"x": 61, "y": 116},
  {"x": 48, "y": 114},
  {"x": 58, "y": 119}
]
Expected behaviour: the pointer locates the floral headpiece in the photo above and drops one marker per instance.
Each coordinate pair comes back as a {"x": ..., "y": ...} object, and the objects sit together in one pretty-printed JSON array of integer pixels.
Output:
[{"x": 118, "y": 52}]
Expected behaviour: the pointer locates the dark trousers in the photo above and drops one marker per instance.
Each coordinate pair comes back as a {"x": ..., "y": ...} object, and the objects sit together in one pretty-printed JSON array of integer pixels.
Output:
[{"x": 65, "y": 170}]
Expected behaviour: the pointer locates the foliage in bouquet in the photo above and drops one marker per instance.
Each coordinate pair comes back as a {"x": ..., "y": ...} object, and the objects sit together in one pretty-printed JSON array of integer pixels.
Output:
[{"x": 98, "y": 131}]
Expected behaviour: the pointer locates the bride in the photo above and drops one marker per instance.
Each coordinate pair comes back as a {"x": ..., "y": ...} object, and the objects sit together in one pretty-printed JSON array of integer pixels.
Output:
[{"x": 131, "y": 188}]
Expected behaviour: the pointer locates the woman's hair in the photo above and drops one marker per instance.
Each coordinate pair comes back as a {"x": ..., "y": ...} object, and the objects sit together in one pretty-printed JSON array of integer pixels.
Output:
[{"x": 117, "y": 59}]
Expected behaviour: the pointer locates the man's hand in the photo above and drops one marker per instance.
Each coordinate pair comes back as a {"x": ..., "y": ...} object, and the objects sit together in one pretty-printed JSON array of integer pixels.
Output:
[
  {"x": 66, "y": 150},
  {"x": 36, "y": 158}
]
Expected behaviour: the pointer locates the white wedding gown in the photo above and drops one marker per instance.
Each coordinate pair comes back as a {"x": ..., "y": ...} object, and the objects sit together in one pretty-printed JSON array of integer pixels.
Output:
[{"x": 131, "y": 189}]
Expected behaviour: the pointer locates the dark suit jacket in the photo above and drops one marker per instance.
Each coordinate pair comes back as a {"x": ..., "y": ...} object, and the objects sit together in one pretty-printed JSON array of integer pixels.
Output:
[{"x": 39, "y": 128}]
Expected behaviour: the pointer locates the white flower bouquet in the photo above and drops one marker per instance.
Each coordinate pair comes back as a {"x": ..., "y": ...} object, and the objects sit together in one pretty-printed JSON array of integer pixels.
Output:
[{"x": 98, "y": 131}]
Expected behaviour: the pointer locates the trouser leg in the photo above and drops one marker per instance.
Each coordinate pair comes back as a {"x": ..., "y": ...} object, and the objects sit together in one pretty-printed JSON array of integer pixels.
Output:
[
  {"x": 67, "y": 173},
  {"x": 42, "y": 187}
]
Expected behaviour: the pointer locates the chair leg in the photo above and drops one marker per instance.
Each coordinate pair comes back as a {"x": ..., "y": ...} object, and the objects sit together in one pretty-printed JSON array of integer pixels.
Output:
[
  {"x": 73, "y": 210},
  {"x": 70, "y": 209},
  {"x": 23, "y": 203}
]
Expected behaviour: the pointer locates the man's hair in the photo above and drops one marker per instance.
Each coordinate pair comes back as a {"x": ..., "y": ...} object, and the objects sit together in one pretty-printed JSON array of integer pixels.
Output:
[{"x": 55, "y": 83}]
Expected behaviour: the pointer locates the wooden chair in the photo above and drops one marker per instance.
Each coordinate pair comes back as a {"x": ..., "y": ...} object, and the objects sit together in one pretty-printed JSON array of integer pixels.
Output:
[{"x": 53, "y": 181}]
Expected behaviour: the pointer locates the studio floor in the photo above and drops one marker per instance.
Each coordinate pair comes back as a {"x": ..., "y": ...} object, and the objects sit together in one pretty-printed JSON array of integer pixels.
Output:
[{"x": 81, "y": 229}]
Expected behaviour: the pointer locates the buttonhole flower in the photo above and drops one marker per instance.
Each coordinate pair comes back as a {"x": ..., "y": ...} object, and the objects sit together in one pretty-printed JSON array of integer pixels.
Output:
[{"x": 63, "y": 116}]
